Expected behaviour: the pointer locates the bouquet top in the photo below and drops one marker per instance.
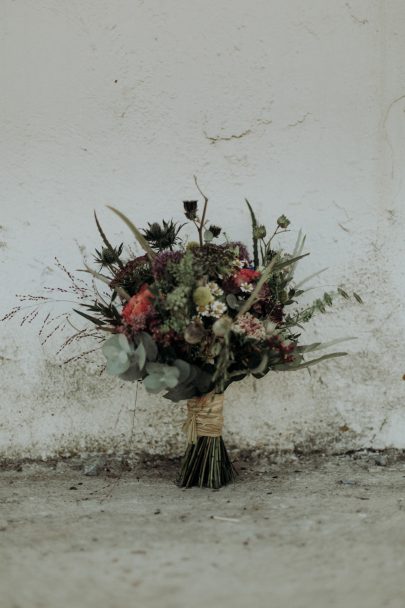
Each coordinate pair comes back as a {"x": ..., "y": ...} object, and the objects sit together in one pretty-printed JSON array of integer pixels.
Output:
[{"x": 190, "y": 317}]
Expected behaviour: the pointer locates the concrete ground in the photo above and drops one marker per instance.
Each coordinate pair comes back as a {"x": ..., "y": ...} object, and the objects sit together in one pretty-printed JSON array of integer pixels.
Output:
[{"x": 306, "y": 534}]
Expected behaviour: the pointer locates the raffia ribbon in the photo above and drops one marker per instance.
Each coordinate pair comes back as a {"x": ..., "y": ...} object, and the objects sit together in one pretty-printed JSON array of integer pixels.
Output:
[{"x": 204, "y": 417}]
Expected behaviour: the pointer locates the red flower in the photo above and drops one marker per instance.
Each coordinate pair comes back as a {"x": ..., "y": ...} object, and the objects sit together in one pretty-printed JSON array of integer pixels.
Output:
[
  {"x": 139, "y": 305},
  {"x": 245, "y": 275}
]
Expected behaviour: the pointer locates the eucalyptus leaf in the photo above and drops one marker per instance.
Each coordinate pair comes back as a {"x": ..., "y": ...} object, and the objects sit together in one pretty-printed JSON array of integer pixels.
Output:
[
  {"x": 132, "y": 374},
  {"x": 180, "y": 393},
  {"x": 232, "y": 301},
  {"x": 261, "y": 368},
  {"x": 118, "y": 352},
  {"x": 184, "y": 369},
  {"x": 160, "y": 377},
  {"x": 203, "y": 381},
  {"x": 153, "y": 384},
  {"x": 150, "y": 346},
  {"x": 140, "y": 356},
  {"x": 154, "y": 368}
]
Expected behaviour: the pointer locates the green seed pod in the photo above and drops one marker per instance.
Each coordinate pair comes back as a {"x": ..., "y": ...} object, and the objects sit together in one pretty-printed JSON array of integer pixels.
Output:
[
  {"x": 283, "y": 222},
  {"x": 202, "y": 296},
  {"x": 222, "y": 326}
]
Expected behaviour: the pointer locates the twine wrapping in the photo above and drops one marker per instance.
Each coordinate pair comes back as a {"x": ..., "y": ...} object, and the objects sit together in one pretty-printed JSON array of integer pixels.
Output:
[{"x": 204, "y": 417}]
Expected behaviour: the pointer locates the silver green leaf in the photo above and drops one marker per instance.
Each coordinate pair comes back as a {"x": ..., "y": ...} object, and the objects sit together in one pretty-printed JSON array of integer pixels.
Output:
[{"x": 118, "y": 352}]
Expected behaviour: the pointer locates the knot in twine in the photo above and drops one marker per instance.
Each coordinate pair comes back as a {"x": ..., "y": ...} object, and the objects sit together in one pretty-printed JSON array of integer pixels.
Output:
[{"x": 204, "y": 417}]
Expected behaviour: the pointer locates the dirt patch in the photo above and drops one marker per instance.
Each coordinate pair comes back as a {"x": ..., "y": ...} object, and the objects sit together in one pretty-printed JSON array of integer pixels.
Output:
[{"x": 309, "y": 533}]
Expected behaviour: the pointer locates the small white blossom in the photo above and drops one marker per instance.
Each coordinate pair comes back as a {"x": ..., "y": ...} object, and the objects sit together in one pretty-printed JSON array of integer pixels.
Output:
[
  {"x": 204, "y": 311},
  {"x": 246, "y": 287},
  {"x": 270, "y": 327},
  {"x": 215, "y": 289},
  {"x": 240, "y": 263},
  {"x": 218, "y": 309}
]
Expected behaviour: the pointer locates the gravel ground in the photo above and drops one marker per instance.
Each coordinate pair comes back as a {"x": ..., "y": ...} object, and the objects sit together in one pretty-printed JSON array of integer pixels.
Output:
[{"x": 310, "y": 533}]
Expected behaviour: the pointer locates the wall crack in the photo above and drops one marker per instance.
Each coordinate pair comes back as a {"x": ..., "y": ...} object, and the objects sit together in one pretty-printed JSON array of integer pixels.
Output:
[{"x": 213, "y": 139}]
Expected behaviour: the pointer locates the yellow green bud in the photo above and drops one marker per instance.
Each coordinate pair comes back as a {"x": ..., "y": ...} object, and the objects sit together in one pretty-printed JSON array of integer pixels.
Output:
[{"x": 202, "y": 296}]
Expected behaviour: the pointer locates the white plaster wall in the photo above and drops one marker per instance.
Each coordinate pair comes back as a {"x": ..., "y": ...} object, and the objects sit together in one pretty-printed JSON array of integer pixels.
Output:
[{"x": 297, "y": 105}]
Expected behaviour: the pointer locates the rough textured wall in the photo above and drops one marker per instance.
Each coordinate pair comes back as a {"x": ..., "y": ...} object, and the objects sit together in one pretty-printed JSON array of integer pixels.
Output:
[{"x": 297, "y": 105}]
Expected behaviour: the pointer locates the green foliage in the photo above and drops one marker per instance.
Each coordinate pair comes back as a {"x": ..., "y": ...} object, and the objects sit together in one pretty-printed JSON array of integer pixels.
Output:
[
  {"x": 283, "y": 222},
  {"x": 105, "y": 313},
  {"x": 254, "y": 234},
  {"x": 138, "y": 235},
  {"x": 161, "y": 377},
  {"x": 300, "y": 364},
  {"x": 177, "y": 304},
  {"x": 179, "y": 379},
  {"x": 109, "y": 254},
  {"x": 118, "y": 353},
  {"x": 133, "y": 275},
  {"x": 184, "y": 272},
  {"x": 191, "y": 378},
  {"x": 126, "y": 359}
]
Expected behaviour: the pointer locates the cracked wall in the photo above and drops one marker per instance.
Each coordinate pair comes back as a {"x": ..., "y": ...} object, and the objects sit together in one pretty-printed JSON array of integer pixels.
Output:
[{"x": 299, "y": 107}]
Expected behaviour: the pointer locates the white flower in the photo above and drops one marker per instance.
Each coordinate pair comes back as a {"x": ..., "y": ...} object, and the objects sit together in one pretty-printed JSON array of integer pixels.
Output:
[
  {"x": 270, "y": 327},
  {"x": 215, "y": 289},
  {"x": 240, "y": 263},
  {"x": 204, "y": 311},
  {"x": 246, "y": 287},
  {"x": 218, "y": 309}
]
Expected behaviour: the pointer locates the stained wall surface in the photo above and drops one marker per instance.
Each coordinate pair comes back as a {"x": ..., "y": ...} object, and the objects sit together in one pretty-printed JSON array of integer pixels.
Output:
[{"x": 299, "y": 106}]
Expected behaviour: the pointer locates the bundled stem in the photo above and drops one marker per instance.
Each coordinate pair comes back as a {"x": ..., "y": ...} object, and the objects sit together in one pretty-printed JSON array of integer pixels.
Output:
[{"x": 206, "y": 464}]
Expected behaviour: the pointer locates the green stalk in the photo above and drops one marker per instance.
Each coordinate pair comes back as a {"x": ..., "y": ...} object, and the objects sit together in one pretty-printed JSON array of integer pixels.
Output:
[
  {"x": 206, "y": 464},
  {"x": 254, "y": 237}
]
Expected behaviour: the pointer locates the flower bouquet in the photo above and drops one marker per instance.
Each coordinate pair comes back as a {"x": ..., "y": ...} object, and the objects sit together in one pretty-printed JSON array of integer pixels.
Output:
[{"x": 188, "y": 318}]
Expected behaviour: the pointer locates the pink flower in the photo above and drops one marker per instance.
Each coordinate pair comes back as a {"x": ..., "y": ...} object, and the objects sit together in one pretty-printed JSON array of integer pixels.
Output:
[
  {"x": 245, "y": 275},
  {"x": 138, "y": 307},
  {"x": 248, "y": 324}
]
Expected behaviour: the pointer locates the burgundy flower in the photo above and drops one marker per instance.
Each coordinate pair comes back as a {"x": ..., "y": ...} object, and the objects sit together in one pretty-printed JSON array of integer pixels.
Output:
[{"x": 162, "y": 260}]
